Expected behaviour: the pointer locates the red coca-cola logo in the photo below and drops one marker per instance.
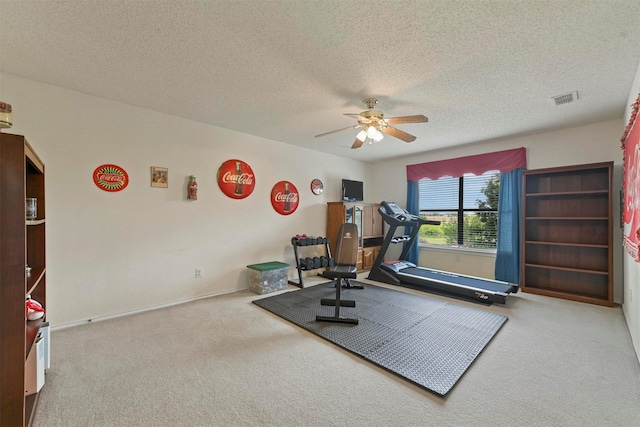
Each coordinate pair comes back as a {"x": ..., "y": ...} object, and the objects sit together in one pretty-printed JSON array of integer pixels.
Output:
[
  {"x": 285, "y": 198},
  {"x": 110, "y": 178},
  {"x": 236, "y": 179}
]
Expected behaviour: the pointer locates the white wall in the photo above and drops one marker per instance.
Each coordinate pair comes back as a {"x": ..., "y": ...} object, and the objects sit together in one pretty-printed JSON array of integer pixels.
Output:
[
  {"x": 113, "y": 253},
  {"x": 594, "y": 143},
  {"x": 631, "y": 306}
]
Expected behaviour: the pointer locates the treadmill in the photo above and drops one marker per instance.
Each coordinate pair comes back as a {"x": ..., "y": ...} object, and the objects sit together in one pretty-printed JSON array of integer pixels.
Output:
[{"x": 404, "y": 273}]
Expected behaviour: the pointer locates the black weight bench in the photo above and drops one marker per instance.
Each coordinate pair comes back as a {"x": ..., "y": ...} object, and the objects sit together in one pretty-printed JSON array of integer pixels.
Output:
[{"x": 344, "y": 269}]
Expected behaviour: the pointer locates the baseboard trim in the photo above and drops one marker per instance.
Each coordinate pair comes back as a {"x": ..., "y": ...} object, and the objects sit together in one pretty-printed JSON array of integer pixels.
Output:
[{"x": 142, "y": 310}]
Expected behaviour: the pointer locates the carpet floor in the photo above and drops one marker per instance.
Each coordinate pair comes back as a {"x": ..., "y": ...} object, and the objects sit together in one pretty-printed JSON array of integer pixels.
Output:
[{"x": 427, "y": 341}]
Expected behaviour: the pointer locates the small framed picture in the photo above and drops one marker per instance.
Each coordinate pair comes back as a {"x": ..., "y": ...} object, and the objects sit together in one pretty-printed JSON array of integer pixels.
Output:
[{"x": 159, "y": 177}]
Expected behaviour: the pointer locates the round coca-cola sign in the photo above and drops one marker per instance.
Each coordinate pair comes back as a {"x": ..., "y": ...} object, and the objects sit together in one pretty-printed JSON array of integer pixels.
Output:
[
  {"x": 236, "y": 179},
  {"x": 284, "y": 198},
  {"x": 110, "y": 178}
]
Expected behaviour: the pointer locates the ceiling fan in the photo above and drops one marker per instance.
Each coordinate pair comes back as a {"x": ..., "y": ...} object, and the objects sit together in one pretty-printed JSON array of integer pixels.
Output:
[{"x": 374, "y": 124}]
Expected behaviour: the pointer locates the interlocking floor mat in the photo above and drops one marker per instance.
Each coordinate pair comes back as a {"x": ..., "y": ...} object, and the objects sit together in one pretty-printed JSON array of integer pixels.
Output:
[{"x": 426, "y": 341}]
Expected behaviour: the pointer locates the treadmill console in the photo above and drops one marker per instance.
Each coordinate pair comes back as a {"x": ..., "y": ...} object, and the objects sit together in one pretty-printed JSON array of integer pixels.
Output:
[
  {"x": 400, "y": 215},
  {"x": 396, "y": 211},
  {"x": 393, "y": 209}
]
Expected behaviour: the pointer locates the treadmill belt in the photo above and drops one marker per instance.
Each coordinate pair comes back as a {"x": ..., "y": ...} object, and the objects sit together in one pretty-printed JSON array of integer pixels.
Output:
[{"x": 442, "y": 276}]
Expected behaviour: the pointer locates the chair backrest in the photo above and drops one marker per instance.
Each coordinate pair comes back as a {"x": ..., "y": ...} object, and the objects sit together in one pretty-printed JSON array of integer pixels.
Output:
[{"x": 347, "y": 245}]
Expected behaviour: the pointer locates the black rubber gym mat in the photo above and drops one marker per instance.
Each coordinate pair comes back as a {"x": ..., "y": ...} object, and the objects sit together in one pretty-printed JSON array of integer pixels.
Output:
[{"x": 426, "y": 341}]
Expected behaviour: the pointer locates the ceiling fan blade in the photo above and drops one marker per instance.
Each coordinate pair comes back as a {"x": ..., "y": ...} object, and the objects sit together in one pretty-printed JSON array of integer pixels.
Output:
[
  {"x": 360, "y": 118},
  {"x": 407, "y": 119},
  {"x": 357, "y": 143},
  {"x": 400, "y": 134},
  {"x": 338, "y": 130}
]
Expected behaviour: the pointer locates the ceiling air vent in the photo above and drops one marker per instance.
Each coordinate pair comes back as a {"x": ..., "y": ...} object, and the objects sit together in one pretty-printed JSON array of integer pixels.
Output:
[{"x": 566, "y": 98}]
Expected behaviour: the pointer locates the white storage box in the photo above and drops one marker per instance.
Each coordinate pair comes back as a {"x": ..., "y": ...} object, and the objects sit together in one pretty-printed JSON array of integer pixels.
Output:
[
  {"x": 268, "y": 277},
  {"x": 34, "y": 367}
]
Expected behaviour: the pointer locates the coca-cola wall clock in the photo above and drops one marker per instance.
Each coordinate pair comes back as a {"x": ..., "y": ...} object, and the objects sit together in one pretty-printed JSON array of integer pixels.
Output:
[
  {"x": 284, "y": 198},
  {"x": 110, "y": 178},
  {"x": 317, "y": 187},
  {"x": 235, "y": 179}
]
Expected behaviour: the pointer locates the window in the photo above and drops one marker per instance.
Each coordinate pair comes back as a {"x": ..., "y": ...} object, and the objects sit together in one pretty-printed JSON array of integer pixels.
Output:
[{"x": 467, "y": 208}]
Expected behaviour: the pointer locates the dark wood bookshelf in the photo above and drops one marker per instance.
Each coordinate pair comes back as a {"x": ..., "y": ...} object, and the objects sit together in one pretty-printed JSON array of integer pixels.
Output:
[
  {"x": 22, "y": 245},
  {"x": 567, "y": 233}
]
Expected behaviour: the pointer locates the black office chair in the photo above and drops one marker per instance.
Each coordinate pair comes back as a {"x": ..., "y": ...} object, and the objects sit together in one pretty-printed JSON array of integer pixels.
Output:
[{"x": 344, "y": 269}]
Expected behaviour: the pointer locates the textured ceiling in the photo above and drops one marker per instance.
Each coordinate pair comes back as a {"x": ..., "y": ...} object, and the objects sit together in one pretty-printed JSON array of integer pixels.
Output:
[{"x": 288, "y": 70}]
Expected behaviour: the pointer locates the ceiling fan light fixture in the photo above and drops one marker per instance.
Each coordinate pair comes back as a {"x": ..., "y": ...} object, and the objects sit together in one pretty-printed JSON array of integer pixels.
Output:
[
  {"x": 373, "y": 123},
  {"x": 378, "y": 136}
]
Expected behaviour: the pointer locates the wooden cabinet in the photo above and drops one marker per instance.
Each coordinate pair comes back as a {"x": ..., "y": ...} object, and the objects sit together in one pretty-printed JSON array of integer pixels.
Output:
[
  {"x": 369, "y": 255},
  {"x": 369, "y": 223},
  {"x": 22, "y": 245},
  {"x": 567, "y": 233}
]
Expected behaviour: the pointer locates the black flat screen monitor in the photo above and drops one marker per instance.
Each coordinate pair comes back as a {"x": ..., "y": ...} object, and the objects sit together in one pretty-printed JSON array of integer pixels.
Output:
[{"x": 352, "y": 191}]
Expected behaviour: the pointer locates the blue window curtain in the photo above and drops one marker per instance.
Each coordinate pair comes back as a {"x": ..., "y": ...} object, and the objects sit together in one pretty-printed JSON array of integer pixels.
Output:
[
  {"x": 508, "y": 245},
  {"x": 413, "y": 206}
]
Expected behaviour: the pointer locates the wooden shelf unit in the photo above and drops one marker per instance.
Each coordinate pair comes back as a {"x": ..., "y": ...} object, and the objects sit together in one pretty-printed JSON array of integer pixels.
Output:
[
  {"x": 567, "y": 225},
  {"x": 370, "y": 228},
  {"x": 22, "y": 244}
]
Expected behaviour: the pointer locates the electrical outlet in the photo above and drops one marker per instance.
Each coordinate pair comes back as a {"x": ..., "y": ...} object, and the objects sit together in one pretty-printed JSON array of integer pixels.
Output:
[{"x": 198, "y": 273}]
